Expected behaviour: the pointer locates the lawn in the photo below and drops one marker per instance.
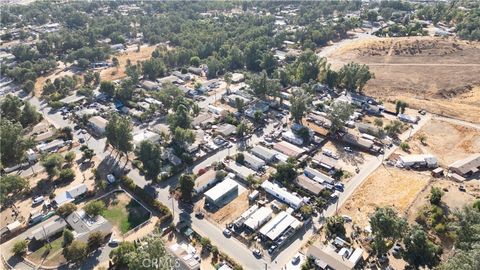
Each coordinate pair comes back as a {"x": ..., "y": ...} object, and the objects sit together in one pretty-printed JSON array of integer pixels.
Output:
[
  {"x": 124, "y": 212},
  {"x": 54, "y": 257}
]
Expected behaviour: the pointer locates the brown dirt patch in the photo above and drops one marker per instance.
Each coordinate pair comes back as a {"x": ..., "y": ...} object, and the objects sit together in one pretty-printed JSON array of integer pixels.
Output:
[
  {"x": 448, "y": 142},
  {"x": 232, "y": 210},
  {"x": 436, "y": 74},
  {"x": 113, "y": 73},
  {"x": 385, "y": 187}
]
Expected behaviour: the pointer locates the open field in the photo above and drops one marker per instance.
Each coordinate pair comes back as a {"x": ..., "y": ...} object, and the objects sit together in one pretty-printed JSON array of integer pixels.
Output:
[
  {"x": 385, "y": 187},
  {"x": 448, "y": 142},
  {"x": 114, "y": 73},
  {"x": 436, "y": 74},
  {"x": 124, "y": 212}
]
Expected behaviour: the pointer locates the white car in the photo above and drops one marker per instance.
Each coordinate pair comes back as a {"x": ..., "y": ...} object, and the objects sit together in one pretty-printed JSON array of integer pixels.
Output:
[
  {"x": 227, "y": 233},
  {"x": 111, "y": 179},
  {"x": 38, "y": 200}
]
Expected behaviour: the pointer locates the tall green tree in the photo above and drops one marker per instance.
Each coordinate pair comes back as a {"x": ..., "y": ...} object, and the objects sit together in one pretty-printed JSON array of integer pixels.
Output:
[
  {"x": 11, "y": 108},
  {"x": 419, "y": 250},
  {"x": 11, "y": 186},
  {"x": 299, "y": 104},
  {"x": 52, "y": 164},
  {"x": 108, "y": 88},
  {"x": 150, "y": 155},
  {"x": 119, "y": 133},
  {"x": 386, "y": 225},
  {"x": 339, "y": 114},
  {"x": 30, "y": 115},
  {"x": 186, "y": 186},
  {"x": 75, "y": 252},
  {"x": 354, "y": 76}
]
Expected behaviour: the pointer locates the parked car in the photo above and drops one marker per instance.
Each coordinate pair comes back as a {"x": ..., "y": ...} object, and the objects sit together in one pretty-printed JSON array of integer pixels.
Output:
[
  {"x": 111, "y": 179},
  {"x": 296, "y": 259},
  {"x": 348, "y": 149},
  {"x": 257, "y": 253},
  {"x": 272, "y": 249},
  {"x": 81, "y": 140},
  {"x": 199, "y": 215},
  {"x": 38, "y": 200},
  {"x": 227, "y": 233},
  {"x": 462, "y": 188}
]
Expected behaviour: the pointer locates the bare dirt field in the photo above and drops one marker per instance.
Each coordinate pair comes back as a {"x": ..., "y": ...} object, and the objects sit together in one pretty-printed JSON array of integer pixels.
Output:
[
  {"x": 437, "y": 74},
  {"x": 448, "y": 142},
  {"x": 59, "y": 72},
  {"x": 385, "y": 187},
  {"x": 114, "y": 73},
  {"x": 231, "y": 211}
]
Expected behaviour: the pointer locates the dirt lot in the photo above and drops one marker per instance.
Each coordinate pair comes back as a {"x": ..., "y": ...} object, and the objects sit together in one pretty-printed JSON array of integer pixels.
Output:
[
  {"x": 453, "y": 197},
  {"x": 448, "y": 142},
  {"x": 385, "y": 187},
  {"x": 61, "y": 71},
  {"x": 113, "y": 73},
  {"x": 229, "y": 212},
  {"x": 436, "y": 74}
]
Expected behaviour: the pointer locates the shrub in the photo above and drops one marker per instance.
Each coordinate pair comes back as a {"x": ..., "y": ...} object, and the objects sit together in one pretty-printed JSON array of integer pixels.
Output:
[
  {"x": 66, "y": 175},
  {"x": 19, "y": 248},
  {"x": 405, "y": 146}
]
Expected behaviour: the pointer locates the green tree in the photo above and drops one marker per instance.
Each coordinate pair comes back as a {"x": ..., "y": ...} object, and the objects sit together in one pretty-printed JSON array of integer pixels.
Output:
[
  {"x": 125, "y": 91},
  {"x": 10, "y": 108},
  {"x": 119, "y": 133},
  {"x": 240, "y": 158},
  {"x": 28, "y": 86},
  {"x": 75, "y": 252},
  {"x": 94, "y": 208},
  {"x": 29, "y": 116},
  {"x": 20, "y": 248},
  {"x": 52, "y": 164},
  {"x": 354, "y": 76},
  {"x": 122, "y": 254},
  {"x": 150, "y": 155},
  {"x": 386, "y": 225},
  {"x": 13, "y": 185},
  {"x": 186, "y": 186},
  {"x": 339, "y": 115},
  {"x": 405, "y": 146},
  {"x": 115, "y": 62},
  {"x": 180, "y": 118},
  {"x": 153, "y": 68},
  {"x": 239, "y": 104},
  {"x": 436, "y": 195},
  {"x": 195, "y": 61},
  {"x": 153, "y": 247},
  {"x": 306, "y": 68},
  {"x": 268, "y": 63},
  {"x": 286, "y": 172},
  {"x": 299, "y": 104},
  {"x": 68, "y": 237},
  {"x": 394, "y": 128},
  {"x": 335, "y": 226},
  {"x": 70, "y": 157},
  {"x": 95, "y": 240},
  {"x": 419, "y": 250},
  {"x": 183, "y": 136},
  {"x": 466, "y": 225},
  {"x": 463, "y": 260},
  {"x": 66, "y": 209},
  {"x": 13, "y": 144},
  {"x": 108, "y": 88},
  {"x": 66, "y": 175}
]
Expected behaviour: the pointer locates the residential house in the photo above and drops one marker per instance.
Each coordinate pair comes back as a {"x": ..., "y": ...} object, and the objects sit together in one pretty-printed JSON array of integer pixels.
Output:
[
  {"x": 264, "y": 153},
  {"x": 205, "y": 181},
  {"x": 98, "y": 125},
  {"x": 325, "y": 162},
  {"x": 226, "y": 129},
  {"x": 282, "y": 194},
  {"x": 253, "y": 161},
  {"x": 288, "y": 149},
  {"x": 239, "y": 170},
  {"x": 222, "y": 193},
  {"x": 83, "y": 225},
  {"x": 281, "y": 224},
  {"x": 326, "y": 257},
  {"x": 467, "y": 166},
  {"x": 70, "y": 195},
  {"x": 308, "y": 184}
]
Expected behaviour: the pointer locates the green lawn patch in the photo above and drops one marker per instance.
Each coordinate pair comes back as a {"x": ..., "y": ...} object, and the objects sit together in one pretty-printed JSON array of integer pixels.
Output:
[
  {"x": 54, "y": 257},
  {"x": 124, "y": 212}
]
